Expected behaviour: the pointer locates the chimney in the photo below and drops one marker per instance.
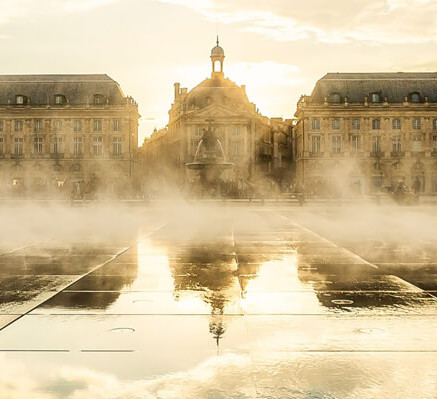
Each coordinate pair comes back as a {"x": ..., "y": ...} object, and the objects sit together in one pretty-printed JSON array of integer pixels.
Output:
[{"x": 176, "y": 90}]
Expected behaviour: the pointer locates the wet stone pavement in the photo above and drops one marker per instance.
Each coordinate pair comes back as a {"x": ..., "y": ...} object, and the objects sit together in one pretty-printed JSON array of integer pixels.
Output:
[{"x": 221, "y": 302}]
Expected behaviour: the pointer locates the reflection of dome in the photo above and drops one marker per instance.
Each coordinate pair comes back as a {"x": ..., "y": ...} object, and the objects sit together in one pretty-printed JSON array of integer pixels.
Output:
[{"x": 217, "y": 51}]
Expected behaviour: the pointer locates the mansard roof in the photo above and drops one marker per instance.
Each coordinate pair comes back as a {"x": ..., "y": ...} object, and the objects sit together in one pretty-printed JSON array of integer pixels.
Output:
[
  {"x": 77, "y": 89},
  {"x": 393, "y": 86}
]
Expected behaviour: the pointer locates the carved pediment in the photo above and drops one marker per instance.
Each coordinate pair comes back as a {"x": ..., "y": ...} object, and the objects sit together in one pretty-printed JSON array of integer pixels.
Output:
[{"x": 217, "y": 112}]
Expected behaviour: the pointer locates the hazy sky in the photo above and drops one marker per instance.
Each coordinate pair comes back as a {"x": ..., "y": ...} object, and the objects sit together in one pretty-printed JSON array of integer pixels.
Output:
[{"x": 278, "y": 48}]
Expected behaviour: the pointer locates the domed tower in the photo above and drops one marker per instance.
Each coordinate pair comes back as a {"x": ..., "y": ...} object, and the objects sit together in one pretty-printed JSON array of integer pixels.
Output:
[{"x": 217, "y": 55}]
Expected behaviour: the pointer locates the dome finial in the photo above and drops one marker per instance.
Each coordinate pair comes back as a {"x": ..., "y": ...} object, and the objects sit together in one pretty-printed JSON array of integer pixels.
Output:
[{"x": 217, "y": 40}]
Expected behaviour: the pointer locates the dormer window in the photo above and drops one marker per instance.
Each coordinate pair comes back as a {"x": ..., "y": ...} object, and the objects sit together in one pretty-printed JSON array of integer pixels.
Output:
[
  {"x": 376, "y": 98},
  {"x": 335, "y": 98},
  {"x": 415, "y": 98},
  {"x": 20, "y": 99},
  {"x": 60, "y": 99},
  {"x": 98, "y": 99}
]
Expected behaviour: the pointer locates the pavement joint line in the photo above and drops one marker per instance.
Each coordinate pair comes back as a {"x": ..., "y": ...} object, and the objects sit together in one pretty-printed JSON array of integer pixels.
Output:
[
  {"x": 107, "y": 350},
  {"x": 258, "y": 291},
  {"x": 355, "y": 351},
  {"x": 347, "y": 250},
  {"x": 338, "y": 315},
  {"x": 18, "y": 249},
  {"x": 36, "y": 350},
  {"x": 81, "y": 276},
  {"x": 354, "y": 255}
]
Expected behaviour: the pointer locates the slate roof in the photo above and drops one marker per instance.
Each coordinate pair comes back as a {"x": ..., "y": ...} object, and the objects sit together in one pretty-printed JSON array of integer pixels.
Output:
[
  {"x": 77, "y": 89},
  {"x": 219, "y": 90},
  {"x": 394, "y": 86}
]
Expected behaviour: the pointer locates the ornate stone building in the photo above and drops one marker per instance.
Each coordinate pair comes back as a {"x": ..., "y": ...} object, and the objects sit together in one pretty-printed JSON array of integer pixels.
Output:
[
  {"x": 60, "y": 133},
  {"x": 364, "y": 132},
  {"x": 248, "y": 138}
]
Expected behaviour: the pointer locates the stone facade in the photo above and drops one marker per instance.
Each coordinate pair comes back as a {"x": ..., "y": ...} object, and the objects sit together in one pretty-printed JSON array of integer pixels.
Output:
[
  {"x": 65, "y": 134},
  {"x": 248, "y": 138},
  {"x": 363, "y": 133}
]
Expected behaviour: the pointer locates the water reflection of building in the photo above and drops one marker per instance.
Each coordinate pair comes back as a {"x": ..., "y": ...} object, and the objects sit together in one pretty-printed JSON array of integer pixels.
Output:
[
  {"x": 363, "y": 132},
  {"x": 65, "y": 133},
  {"x": 255, "y": 143},
  {"x": 213, "y": 272}
]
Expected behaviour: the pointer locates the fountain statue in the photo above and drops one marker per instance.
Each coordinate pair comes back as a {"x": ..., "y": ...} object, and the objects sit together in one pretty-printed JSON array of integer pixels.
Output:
[{"x": 209, "y": 159}]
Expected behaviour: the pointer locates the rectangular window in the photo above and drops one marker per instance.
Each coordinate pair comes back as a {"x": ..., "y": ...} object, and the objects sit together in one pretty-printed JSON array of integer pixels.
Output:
[
  {"x": 59, "y": 99},
  {"x": 2, "y": 149},
  {"x": 335, "y": 124},
  {"x": 396, "y": 124},
  {"x": 116, "y": 125},
  {"x": 376, "y": 183},
  {"x": 198, "y": 132},
  {"x": 236, "y": 131},
  {"x": 38, "y": 143},
  {"x": 58, "y": 125},
  {"x": 78, "y": 146},
  {"x": 18, "y": 126},
  {"x": 416, "y": 144},
  {"x": 336, "y": 144},
  {"x": 315, "y": 144},
  {"x": 18, "y": 145},
  {"x": 1, "y": 126},
  {"x": 416, "y": 124},
  {"x": 315, "y": 124},
  {"x": 356, "y": 143},
  {"x": 376, "y": 144},
  {"x": 77, "y": 126},
  {"x": 37, "y": 125},
  {"x": 434, "y": 143},
  {"x": 356, "y": 124},
  {"x": 97, "y": 125},
  {"x": 194, "y": 144},
  {"x": 396, "y": 144},
  {"x": 376, "y": 124},
  {"x": 116, "y": 146},
  {"x": 97, "y": 146},
  {"x": 236, "y": 148},
  {"x": 434, "y": 183},
  {"x": 434, "y": 124},
  {"x": 57, "y": 143}
]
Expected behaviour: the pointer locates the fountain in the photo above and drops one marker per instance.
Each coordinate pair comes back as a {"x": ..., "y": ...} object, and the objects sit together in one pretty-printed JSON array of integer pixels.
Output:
[{"x": 209, "y": 159}]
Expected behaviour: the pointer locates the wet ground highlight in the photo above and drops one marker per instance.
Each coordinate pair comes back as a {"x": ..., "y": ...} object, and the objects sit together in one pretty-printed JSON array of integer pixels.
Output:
[{"x": 222, "y": 301}]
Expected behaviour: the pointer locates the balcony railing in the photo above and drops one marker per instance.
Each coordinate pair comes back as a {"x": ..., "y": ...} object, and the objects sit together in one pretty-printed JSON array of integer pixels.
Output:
[
  {"x": 116, "y": 156},
  {"x": 315, "y": 154},
  {"x": 37, "y": 156},
  {"x": 434, "y": 152},
  {"x": 397, "y": 154},
  {"x": 377, "y": 154},
  {"x": 17, "y": 156}
]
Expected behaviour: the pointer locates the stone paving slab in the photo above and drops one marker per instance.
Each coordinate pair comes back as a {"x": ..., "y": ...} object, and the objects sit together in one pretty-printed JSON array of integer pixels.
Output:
[{"x": 223, "y": 303}]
